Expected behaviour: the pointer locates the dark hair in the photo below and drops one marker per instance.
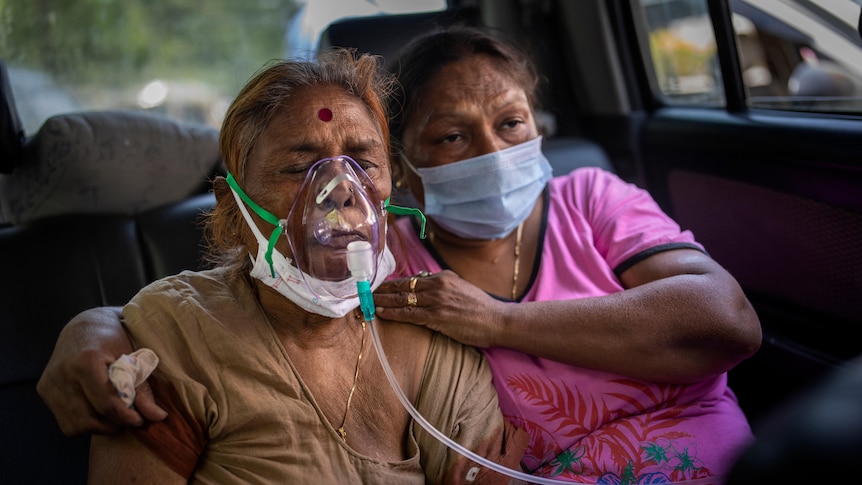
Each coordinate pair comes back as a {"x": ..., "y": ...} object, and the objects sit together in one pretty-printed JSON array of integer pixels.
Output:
[{"x": 426, "y": 55}]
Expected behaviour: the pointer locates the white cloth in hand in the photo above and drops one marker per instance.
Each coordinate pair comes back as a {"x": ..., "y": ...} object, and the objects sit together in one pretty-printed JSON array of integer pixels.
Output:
[{"x": 130, "y": 370}]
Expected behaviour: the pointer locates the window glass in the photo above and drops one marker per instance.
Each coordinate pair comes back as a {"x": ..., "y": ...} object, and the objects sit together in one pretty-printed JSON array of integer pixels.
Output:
[
  {"x": 683, "y": 49},
  {"x": 800, "y": 55},
  {"x": 796, "y": 54},
  {"x": 312, "y": 18},
  {"x": 183, "y": 59}
]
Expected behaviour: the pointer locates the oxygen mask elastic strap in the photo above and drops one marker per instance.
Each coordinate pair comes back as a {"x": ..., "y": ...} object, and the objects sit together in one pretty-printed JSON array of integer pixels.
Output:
[{"x": 265, "y": 215}]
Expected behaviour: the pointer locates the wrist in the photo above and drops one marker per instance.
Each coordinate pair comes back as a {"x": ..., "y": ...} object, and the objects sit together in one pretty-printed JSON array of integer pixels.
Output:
[{"x": 503, "y": 325}]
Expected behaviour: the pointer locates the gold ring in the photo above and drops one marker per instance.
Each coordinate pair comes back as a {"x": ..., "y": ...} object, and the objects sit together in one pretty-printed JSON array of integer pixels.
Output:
[
  {"x": 423, "y": 274},
  {"x": 413, "y": 283},
  {"x": 411, "y": 299}
]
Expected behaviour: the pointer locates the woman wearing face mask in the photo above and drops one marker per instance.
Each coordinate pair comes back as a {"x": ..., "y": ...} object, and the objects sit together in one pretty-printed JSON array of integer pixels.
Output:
[
  {"x": 266, "y": 365},
  {"x": 608, "y": 328}
]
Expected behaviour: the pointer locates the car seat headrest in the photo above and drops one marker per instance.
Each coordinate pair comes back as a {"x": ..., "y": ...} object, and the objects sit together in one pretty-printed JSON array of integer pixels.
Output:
[
  {"x": 108, "y": 161},
  {"x": 385, "y": 35}
]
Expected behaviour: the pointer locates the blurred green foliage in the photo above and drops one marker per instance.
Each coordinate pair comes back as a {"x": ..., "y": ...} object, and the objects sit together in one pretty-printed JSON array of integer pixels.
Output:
[
  {"x": 115, "y": 42},
  {"x": 674, "y": 57}
]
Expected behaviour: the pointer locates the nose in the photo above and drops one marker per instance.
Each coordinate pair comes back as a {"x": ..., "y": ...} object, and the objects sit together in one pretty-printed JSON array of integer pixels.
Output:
[
  {"x": 337, "y": 194},
  {"x": 341, "y": 196},
  {"x": 487, "y": 141}
]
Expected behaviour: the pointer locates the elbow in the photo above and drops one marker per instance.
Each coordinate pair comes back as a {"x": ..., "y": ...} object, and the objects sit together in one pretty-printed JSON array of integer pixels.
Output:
[
  {"x": 735, "y": 320},
  {"x": 750, "y": 332},
  {"x": 730, "y": 332},
  {"x": 742, "y": 335}
]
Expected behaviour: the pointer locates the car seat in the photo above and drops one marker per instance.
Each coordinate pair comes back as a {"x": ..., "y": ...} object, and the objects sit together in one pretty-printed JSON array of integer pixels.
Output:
[
  {"x": 95, "y": 205},
  {"x": 814, "y": 437}
]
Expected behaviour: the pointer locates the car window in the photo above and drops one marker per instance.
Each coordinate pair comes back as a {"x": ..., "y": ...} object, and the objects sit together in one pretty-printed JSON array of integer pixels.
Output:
[
  {"x": 310, "y": 20},
  {"x": 181, "y": 59},
  {"x": 803, "y": 55}
]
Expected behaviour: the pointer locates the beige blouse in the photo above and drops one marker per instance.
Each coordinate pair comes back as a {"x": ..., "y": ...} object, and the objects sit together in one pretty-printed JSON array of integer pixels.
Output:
[{"x": 240, "y": 413}]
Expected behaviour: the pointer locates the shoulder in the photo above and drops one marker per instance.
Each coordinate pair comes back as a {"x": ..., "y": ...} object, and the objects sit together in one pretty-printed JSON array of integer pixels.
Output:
[
  {"x": 404, "y": 341},
  {"x": 457, "y": 368},
  {"x": 435, "y": 360},
  {"x": 190, "y": 307},
  {"x": 198, "y": 286},
  {"x": 591, "y": 182},
  {"x": 602, "y": 196}
]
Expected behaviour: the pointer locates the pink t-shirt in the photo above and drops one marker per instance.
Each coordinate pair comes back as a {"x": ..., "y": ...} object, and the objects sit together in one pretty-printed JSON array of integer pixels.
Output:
[{"x": 592, "y": 426}]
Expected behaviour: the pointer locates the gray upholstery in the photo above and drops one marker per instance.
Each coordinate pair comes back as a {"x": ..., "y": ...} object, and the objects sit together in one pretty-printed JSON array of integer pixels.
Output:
[
  {"x": 116, "y": 161},
  {"x": 57, "y": 266},
  {"x": 384, "y": 35},
  {"x": 566, "y": 153},
  {"x": 99, "y": 205}
]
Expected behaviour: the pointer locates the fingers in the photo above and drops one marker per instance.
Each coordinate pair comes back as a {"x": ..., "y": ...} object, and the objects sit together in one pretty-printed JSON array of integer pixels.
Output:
[
  {"x": 109, "y": 413},
  {"x": 145, "y": 403},
  {"x": 84, "y": 401},
  {"x": 407, "y": 299},
  {"x": 77, "y": 394},
  {"x": 109, "y": 407},
  {"x": 411, "y": 296},
  {"x": 75, "y": 415},
  {"x": 403, "y": 292}
]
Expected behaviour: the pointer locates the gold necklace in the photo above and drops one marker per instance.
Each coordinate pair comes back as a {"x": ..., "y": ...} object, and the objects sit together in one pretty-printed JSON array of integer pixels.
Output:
[
  {"x": 517, "y": 260},
  {"x": 341, "y": 431},
  {"x": 517, "y": 257}
]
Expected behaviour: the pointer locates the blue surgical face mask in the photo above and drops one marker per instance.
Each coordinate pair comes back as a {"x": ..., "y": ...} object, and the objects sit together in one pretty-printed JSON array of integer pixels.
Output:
[{"x": 485, "y": 197}]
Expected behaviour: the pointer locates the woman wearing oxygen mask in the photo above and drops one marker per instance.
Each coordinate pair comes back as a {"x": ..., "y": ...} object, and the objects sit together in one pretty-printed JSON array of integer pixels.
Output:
[
  {"x": 608, "y": 328},
  {"x": 265, "y": 363}
]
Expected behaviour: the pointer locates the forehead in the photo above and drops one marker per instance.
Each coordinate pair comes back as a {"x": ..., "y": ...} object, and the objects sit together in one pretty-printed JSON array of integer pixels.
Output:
[
  {"x": 478, "y": 80},
  {"x": 322, "y": 121}
]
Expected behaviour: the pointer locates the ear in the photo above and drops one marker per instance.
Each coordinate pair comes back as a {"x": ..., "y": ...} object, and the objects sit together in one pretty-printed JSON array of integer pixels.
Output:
[
  {"x": 221, "y": 189},
  {"x": 399, "y": 178}
]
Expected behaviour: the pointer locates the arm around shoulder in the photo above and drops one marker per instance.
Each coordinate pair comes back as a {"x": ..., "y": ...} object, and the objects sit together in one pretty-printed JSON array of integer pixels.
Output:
[{"x": 74, "y": 384}]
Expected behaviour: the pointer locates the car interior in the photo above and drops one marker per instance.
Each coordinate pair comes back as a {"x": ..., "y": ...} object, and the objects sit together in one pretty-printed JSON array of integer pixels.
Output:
[
  {"x": 115, "y": 242},
  {"x": 122, "y": 193},
  {"x": 123, "y": 239}
]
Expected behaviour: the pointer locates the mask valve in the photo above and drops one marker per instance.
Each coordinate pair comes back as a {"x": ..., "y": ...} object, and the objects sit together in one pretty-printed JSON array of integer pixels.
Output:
[{"x": 360, "y": 261}]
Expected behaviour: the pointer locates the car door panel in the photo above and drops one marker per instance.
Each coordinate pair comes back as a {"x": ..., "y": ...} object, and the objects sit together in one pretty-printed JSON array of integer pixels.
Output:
[{"x": 776, "y": 200}]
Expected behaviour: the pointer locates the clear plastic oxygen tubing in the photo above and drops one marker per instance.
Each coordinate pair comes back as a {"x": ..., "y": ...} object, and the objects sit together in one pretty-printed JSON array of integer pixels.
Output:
[{"x": 360, "y": 259}]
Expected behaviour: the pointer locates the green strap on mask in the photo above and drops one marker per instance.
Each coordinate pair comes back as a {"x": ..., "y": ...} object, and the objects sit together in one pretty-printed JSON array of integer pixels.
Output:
[
  {"x": 265, "y": 215},
  {"x": 407, "y": 211},
  {"x": 279, "y": 228}
]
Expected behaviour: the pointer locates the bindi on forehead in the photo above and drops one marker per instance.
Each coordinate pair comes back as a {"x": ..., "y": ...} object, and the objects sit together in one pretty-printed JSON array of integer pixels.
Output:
[{"x": 325, "y": 114}]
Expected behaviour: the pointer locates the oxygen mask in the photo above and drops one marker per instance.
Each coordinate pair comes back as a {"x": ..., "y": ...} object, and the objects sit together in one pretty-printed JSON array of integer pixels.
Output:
[{"x": 336, "y": 205}]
